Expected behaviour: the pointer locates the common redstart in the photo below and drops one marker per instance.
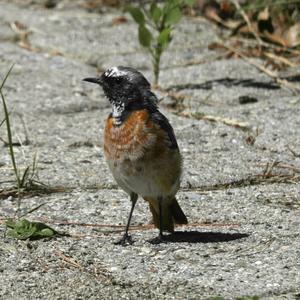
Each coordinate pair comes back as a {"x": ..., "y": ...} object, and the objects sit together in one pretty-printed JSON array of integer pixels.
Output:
[{"x": 140, "y": 148}]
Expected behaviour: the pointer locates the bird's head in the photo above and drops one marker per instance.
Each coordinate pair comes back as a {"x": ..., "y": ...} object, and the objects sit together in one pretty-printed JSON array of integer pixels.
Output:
[{"x": 126, "y": 87}]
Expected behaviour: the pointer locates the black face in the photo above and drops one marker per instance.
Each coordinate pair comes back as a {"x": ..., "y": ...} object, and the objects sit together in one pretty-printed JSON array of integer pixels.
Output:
[{"x": 122, "y": 84}]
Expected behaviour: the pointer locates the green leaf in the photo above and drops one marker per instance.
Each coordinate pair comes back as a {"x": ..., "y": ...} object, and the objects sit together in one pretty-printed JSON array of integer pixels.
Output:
[
  {"x": 10, "y": 223},
  {"x": 137, "y": 14},
  {"x": 43, "y": 230},
  {"x": 173, "y": 3},
  {"x": 155, "y": 12},
  {"x": 164, "y": 37},
  {"x": 189, "y": 2},
  {"x": 47, "y": 232},
  {"x": 24, "y": 177},
  {"x": 2, "y": 122},
  {"x": 6, "y": 76},
  {"x": 21, "y": 230},
  {"x": 173, "y": 16},
  {"x": 24, "y": 229},
  {"x": 145, "y": 36}
]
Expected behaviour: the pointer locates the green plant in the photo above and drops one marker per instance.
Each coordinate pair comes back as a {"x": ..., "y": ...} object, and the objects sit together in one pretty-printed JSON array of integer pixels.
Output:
[
  {"x": 25, "y": 179},
  {"x": 23, "y": 229},
  {"x": 8, "y": 129},
  {"x": 2, "y": 122},
  {"x": 155, "y": 25}
]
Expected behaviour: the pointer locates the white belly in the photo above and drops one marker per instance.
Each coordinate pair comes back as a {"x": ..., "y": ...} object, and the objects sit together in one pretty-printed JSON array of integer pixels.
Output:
[{"x": 146, "y": 180}]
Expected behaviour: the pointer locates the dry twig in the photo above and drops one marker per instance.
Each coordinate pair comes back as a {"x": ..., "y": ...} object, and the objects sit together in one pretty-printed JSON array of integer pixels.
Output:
[
  {"x": 248, "y": 22},
  {"x": 280, "y": 59},
  {"x": 68, "y": 259},
  {"x": 273, "y": 75},
  {"x": 226, "y": 121},
  {"x": 293, "y": 152}
]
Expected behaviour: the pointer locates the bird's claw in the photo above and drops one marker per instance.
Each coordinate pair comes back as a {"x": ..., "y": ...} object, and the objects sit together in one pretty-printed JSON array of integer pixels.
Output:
[
  {"x": 125, "y": 240},
  {"x": 158, "y": 240}
]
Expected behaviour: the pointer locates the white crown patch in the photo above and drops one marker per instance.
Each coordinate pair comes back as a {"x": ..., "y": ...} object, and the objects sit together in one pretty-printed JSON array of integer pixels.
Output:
[{"x": 114, "y": 72}]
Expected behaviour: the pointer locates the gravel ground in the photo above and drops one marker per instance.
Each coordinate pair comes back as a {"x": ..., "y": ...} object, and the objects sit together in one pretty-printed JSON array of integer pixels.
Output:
[{"x": 243, "y": 236}]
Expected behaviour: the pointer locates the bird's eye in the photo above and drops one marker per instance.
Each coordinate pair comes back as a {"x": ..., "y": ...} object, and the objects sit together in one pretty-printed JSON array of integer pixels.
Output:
[{"x": 118, "y": 79}]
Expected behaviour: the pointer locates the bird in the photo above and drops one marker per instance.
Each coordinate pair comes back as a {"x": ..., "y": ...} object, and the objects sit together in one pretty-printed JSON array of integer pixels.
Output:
[{"x": 141, "y": 149}]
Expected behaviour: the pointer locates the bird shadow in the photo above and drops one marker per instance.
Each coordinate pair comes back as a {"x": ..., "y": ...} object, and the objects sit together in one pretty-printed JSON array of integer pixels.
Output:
[{"x": 203, "y": 237}]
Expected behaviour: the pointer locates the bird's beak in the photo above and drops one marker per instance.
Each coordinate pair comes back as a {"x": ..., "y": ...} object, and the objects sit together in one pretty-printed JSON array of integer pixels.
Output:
[{"x": 97, "y": 80}]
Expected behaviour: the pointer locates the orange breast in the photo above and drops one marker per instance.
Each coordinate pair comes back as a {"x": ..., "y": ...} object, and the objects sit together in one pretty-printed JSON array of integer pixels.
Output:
[
  {"x": 129, "y": 139},
  {"x": 139, "y": 150}
]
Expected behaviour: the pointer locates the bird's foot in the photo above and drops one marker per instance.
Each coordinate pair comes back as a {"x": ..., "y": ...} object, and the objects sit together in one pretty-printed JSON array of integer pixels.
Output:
[
  {"x": 125, "y": 240},
  {"x": 158, "y": 240}
]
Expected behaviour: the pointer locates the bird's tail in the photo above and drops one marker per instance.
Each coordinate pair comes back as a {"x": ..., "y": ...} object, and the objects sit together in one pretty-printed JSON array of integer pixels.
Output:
[{"x": 171, "y": 213}]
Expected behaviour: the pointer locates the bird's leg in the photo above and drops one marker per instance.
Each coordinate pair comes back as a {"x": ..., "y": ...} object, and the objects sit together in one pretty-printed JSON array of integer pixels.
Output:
[
  {"x": 160, "y": 237},
  {"x": 126, "y": 239}
]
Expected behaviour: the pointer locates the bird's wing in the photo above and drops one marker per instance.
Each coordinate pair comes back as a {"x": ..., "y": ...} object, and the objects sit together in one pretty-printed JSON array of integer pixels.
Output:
[{"x": 158, "y": 118}]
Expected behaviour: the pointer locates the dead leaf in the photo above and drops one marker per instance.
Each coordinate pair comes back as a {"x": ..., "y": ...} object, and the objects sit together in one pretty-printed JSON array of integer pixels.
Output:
[
  {"x": 264, "y": 15},
  {"x": 264, "y": 21},
  {"x": 97, "y": 4},
  {"x": 26, "y": 45},
  {"x": 292, "y": 35},
  {"x": 22, "y": 35},
  {"x": 227, "y": 10},
  {"x": 56, "y": 53},
  {"x": 275, "y": 38},
  {"x": 215, "y": 46},
  {"x": 119, "y": 20}
]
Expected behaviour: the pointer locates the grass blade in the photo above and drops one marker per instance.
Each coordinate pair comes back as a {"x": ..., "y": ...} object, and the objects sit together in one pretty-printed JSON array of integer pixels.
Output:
[
  {"x": 8, "y": 128},
  {"x": 5, "y": 78},
  {"x": 2, "y": 122},
  {"x": 32, "y": 210},
  {"x": 24, "y": 177}
]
